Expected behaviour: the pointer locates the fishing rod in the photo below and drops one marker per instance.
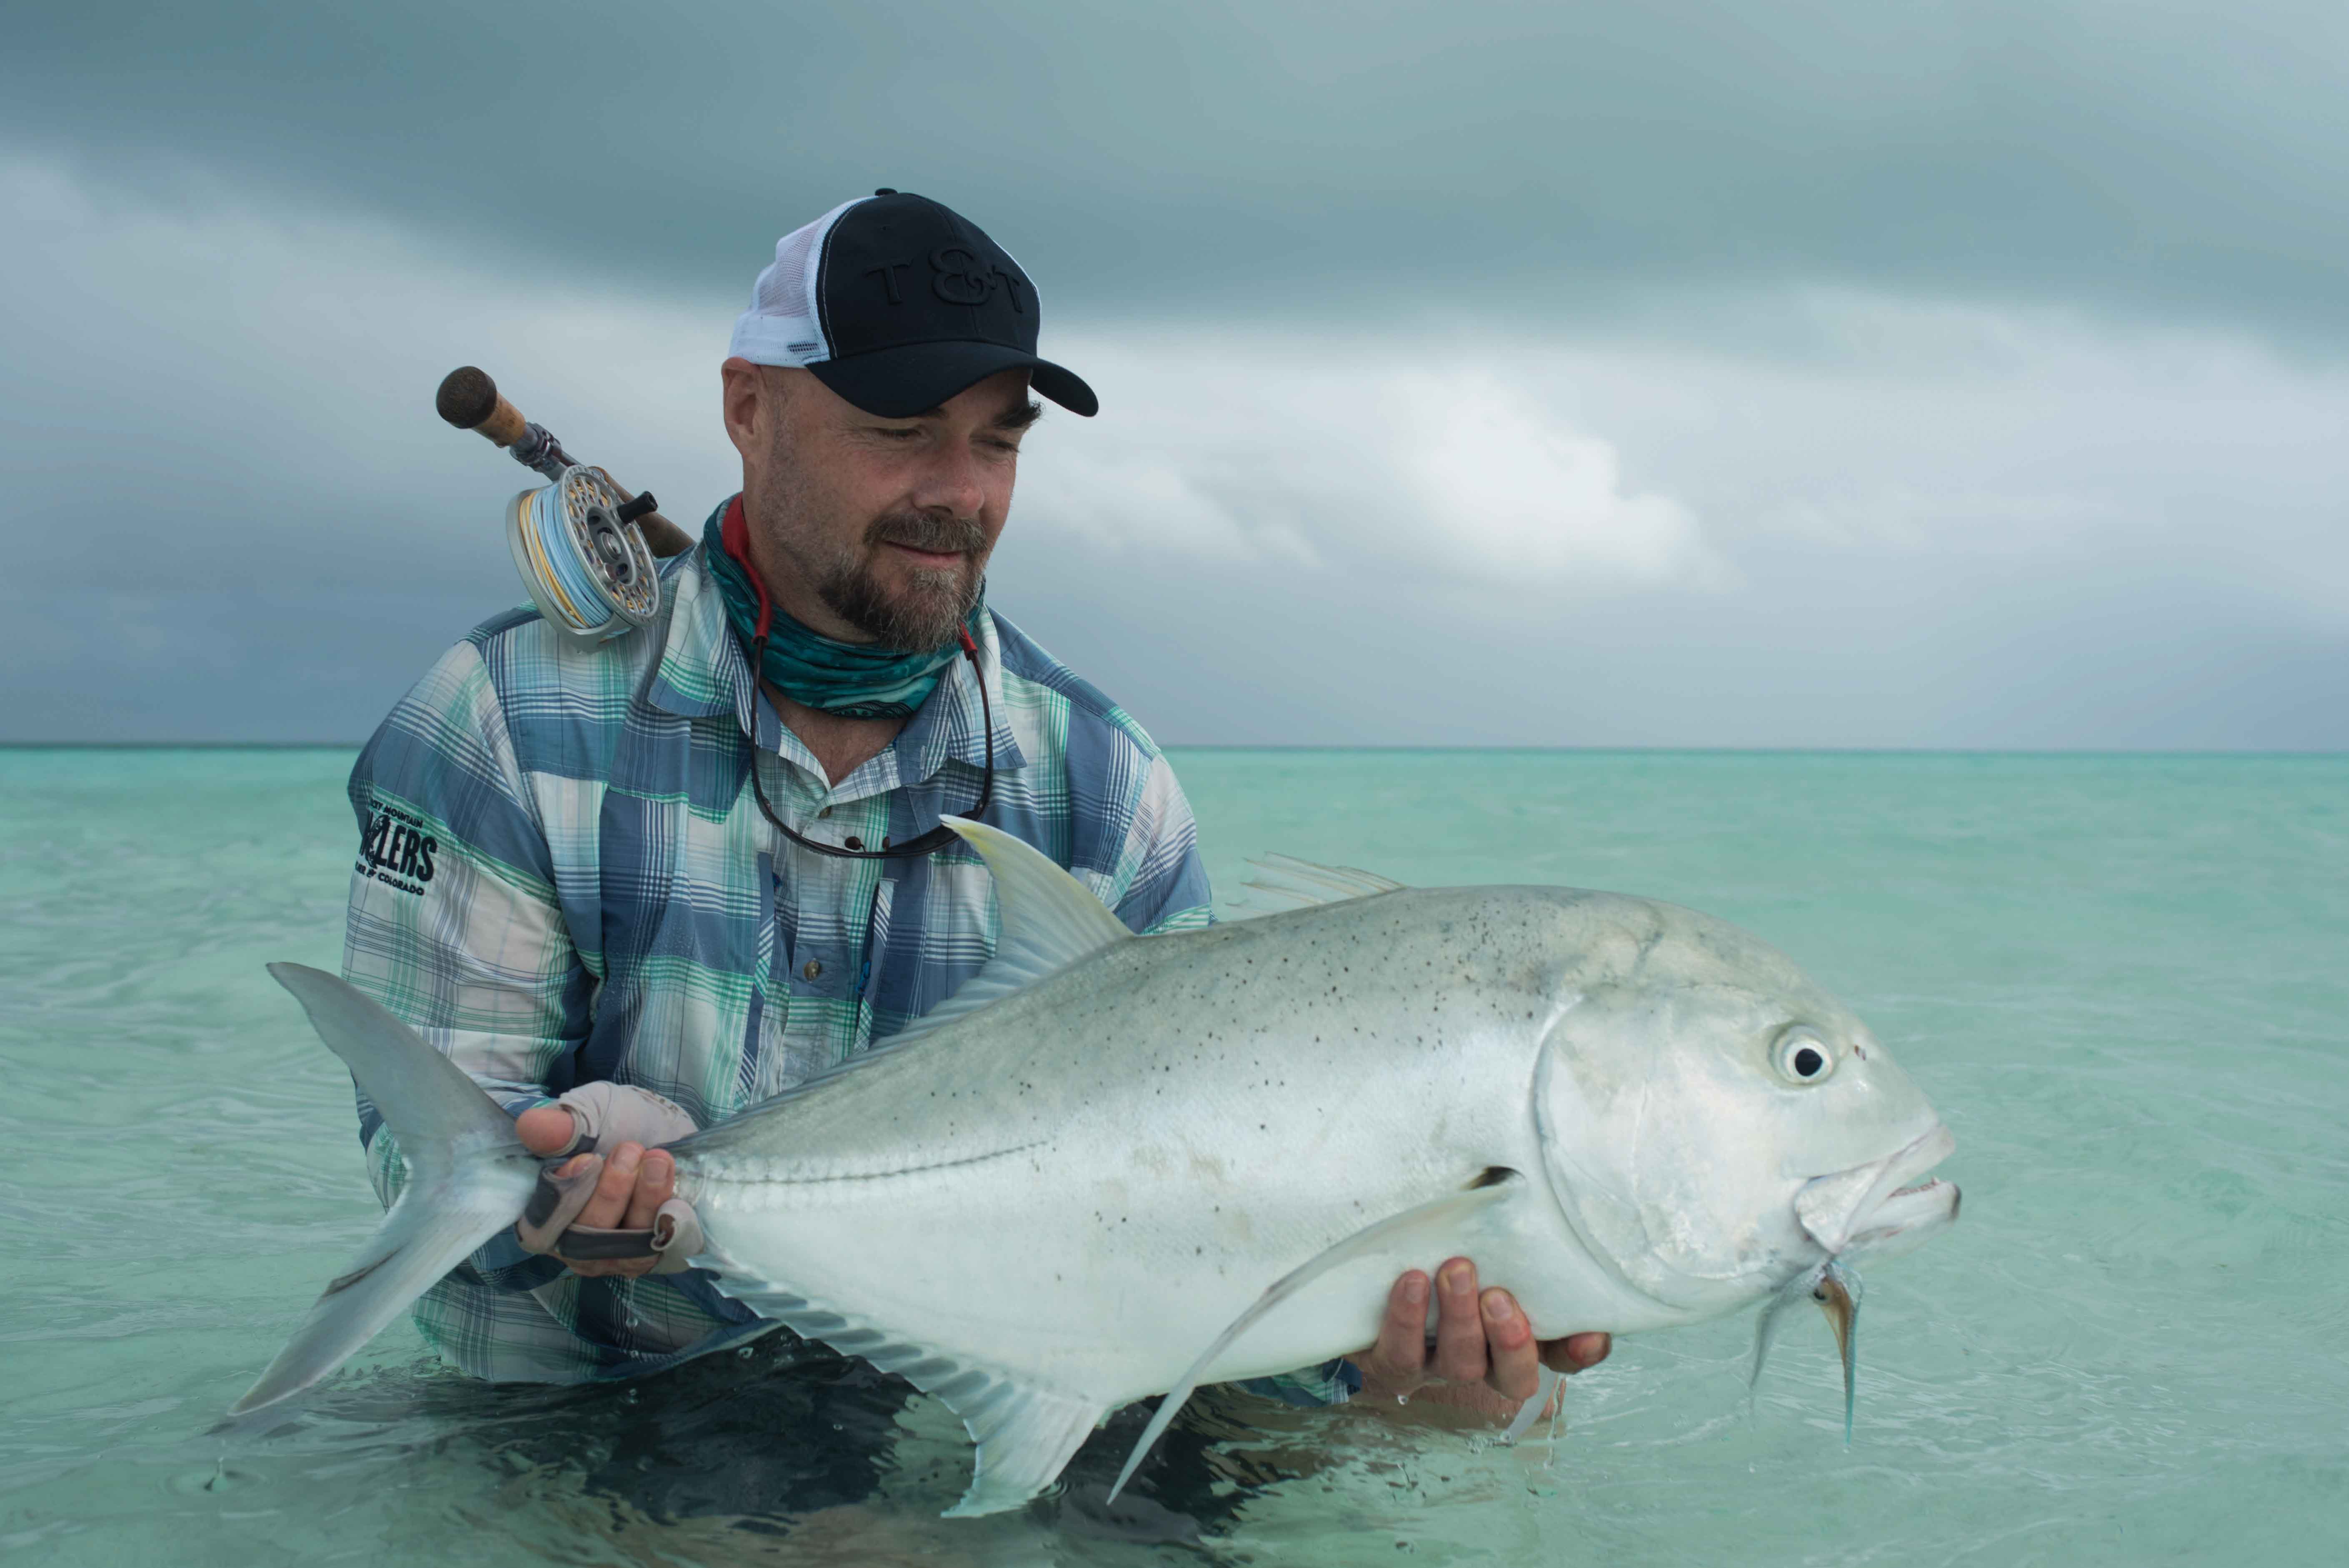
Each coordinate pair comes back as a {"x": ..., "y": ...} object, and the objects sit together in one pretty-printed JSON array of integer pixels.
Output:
[{"x": 585, "y": 547}]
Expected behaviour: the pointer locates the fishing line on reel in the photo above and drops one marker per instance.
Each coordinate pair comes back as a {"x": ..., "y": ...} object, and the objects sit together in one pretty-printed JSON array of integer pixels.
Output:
[{"x": 588, "y": 571}]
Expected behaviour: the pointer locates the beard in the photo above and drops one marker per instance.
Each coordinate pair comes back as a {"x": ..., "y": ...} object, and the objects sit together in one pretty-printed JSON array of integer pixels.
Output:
[{"x": 922, "y": 615}]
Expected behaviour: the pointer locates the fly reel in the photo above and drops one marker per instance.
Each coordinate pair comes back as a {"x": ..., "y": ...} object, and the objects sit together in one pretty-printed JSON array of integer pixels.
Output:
[
  {"x": 587, "y": 550},
  {"x": 587, "y": 569}
]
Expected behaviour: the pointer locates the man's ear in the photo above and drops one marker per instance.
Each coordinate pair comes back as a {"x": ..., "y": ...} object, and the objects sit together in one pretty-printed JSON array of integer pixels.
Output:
[{"x": 743, "y": 389}]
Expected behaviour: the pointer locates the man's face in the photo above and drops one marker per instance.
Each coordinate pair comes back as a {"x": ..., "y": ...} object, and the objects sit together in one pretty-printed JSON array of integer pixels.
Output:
[{"x": 867, "y": 528}]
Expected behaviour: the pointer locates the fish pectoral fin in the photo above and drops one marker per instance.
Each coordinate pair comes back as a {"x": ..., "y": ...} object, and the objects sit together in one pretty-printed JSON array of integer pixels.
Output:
[
  {"x": 1395, "y": 1229},
  {"x": 1026, "y": 1434}
]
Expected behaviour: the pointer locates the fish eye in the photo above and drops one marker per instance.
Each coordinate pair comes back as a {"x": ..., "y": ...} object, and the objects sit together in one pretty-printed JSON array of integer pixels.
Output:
[{"x": 1802, "y": 1057}]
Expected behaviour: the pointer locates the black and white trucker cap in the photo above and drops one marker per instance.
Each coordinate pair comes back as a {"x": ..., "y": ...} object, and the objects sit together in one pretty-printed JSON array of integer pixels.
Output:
[{"x": 896, "y": 304}]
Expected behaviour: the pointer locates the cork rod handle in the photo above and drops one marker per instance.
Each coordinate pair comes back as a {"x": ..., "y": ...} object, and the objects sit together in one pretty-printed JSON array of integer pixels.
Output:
[{"x": 470, "y": 401}]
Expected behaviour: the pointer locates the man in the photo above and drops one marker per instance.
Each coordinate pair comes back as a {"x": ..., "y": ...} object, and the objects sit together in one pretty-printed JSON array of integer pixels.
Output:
[{"x": 688, "y": 861}]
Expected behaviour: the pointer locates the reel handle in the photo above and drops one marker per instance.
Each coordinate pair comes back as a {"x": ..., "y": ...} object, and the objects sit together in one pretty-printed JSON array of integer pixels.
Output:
[{"x": 470, "y": 401}]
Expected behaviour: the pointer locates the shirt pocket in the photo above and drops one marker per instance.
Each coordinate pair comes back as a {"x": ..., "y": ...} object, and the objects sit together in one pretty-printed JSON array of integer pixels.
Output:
[{"x": 941, "y": 932}]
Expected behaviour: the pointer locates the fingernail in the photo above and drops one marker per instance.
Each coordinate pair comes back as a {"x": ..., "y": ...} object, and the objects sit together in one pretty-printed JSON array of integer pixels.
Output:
[
  {"x": 1496, "y": 1309},
  {"x": 627, "y": 1158},
  {"x": 1455, "y": 1277},
  {"x": 573, "y": 1167},
  {"x": 1415, "y": 1289}
]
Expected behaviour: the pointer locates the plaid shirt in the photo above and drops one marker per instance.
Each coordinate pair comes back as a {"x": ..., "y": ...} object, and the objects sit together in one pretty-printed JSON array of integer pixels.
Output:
[{"x": 564, "y": 876}]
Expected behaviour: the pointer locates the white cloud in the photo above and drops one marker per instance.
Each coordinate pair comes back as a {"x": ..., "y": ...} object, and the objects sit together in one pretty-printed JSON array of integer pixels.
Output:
[
  {"x": 1519, "y": 496},
  {"x": 1319, "y": 451},
  {"x": 1133, "y": 497}
]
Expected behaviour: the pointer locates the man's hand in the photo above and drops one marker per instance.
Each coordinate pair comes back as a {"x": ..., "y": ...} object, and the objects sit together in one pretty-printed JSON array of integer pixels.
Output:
[
  {"x": 634, "y": 1186},
  {"x": 1485, "y": 1357}
]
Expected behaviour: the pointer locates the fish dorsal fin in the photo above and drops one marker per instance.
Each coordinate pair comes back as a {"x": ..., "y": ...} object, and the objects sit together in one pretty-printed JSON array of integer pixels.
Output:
[
  {"x": 1026, "y": 1434},
  {"x": 1049, "y": 920},
  {"x": 1435, "y": 1218},
  {"x": 1300, "y": 883}
]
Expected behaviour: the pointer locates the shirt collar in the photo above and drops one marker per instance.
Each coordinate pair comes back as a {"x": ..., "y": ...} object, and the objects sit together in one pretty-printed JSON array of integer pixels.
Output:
[
  {"x": 703, "y": 672},
  {"x": 950, "y": 726}
]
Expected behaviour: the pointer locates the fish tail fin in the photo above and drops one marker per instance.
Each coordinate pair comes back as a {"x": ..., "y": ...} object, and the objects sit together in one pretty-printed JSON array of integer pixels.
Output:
[{"x": 469, "y": 1176}]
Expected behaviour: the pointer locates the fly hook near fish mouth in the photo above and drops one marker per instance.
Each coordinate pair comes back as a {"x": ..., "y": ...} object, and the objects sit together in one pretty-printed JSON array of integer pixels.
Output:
[{"x": 1836, "y": 1292}]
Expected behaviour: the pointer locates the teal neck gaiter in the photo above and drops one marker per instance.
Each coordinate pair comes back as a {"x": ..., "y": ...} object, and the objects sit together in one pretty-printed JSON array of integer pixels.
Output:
[{"x": 852, "y": 680}]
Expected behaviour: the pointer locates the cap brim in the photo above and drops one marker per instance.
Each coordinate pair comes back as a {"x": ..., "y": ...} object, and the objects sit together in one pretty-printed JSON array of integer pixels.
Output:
[{"x": 915, "y": 378}]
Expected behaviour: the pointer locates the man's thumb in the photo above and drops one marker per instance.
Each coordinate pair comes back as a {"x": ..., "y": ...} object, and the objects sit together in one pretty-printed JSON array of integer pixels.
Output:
[{"x": 545, "y": 1129}]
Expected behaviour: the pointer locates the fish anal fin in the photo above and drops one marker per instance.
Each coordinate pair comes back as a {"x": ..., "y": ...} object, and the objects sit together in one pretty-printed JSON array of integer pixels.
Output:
[
  {"x": 1025, "y": 1434},
  {"x": 1026, "y": 1438},
  {"x": 1432, "y": 1221}
]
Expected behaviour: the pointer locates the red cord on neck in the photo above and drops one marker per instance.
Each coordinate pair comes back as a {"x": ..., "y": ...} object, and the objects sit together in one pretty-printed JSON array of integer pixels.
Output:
[{"x": 734, "y": 533}]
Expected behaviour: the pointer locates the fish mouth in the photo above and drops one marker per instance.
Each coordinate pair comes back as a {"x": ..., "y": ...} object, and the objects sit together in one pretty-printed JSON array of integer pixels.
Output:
[{"x": 1881, "y": 1209}]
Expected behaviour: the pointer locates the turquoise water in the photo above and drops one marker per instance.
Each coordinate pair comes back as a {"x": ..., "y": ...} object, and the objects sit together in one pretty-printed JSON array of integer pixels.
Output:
[{"x": 2124, "y": 980}]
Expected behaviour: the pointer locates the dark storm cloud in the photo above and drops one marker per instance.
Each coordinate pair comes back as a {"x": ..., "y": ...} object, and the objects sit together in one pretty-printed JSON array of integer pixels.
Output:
[
  {"x": 1854, "y": 375},
  {"x": 1161, "y": 158}
]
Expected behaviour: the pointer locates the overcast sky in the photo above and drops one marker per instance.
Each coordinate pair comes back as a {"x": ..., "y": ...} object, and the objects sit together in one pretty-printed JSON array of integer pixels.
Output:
[{"x": 1824, "y": 372}]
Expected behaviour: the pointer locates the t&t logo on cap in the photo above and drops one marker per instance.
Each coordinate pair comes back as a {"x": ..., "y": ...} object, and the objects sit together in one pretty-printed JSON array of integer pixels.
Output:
[
  {"x": 961, "y": 279},
  {"x": 897, "y": 303}
]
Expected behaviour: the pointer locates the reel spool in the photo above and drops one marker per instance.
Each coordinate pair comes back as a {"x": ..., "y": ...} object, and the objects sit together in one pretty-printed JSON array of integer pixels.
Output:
[{"x": 576, "y": 545}]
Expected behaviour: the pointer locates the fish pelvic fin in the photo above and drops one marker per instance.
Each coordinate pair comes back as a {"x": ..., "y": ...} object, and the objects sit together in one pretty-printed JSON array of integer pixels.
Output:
[
  {"x": 1835, "y": 1291},
  {"x": 1026, "y": 1433},
  {"x": 1434, "y": 1218},
  {"x": 1774, "y": 1318},
  {"x": 1049, "y": 921},
  {"x": 469, "y": 1178},
  {"x": 1838, "y": 1293}
]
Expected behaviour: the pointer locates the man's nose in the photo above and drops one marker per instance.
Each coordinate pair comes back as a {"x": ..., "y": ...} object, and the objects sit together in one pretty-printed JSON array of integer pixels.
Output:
[{"x": 951, "y": 483}]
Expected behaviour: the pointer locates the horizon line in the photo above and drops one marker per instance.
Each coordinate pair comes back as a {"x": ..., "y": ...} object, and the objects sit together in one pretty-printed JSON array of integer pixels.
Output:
[{"x": 1375, "y": 747}]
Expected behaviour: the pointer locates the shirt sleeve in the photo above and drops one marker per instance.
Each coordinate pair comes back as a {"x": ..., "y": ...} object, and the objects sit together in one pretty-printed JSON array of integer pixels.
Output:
[
  {"x": 453, "y": 923},
  {"x": 1166, "y": 882},
  {"x": 1331, "y": 1383}
]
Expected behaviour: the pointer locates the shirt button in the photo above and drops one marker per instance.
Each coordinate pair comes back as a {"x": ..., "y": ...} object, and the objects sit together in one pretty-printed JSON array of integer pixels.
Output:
[{"x": 811, "y": 968}]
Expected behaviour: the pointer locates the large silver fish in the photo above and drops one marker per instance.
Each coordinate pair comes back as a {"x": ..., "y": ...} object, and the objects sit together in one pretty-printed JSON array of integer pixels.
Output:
[{"x": 1110, "y": 1168}]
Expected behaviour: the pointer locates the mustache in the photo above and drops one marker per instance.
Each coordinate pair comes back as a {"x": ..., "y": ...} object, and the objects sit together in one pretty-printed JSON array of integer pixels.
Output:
[{"x": 921, "y": 531}]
